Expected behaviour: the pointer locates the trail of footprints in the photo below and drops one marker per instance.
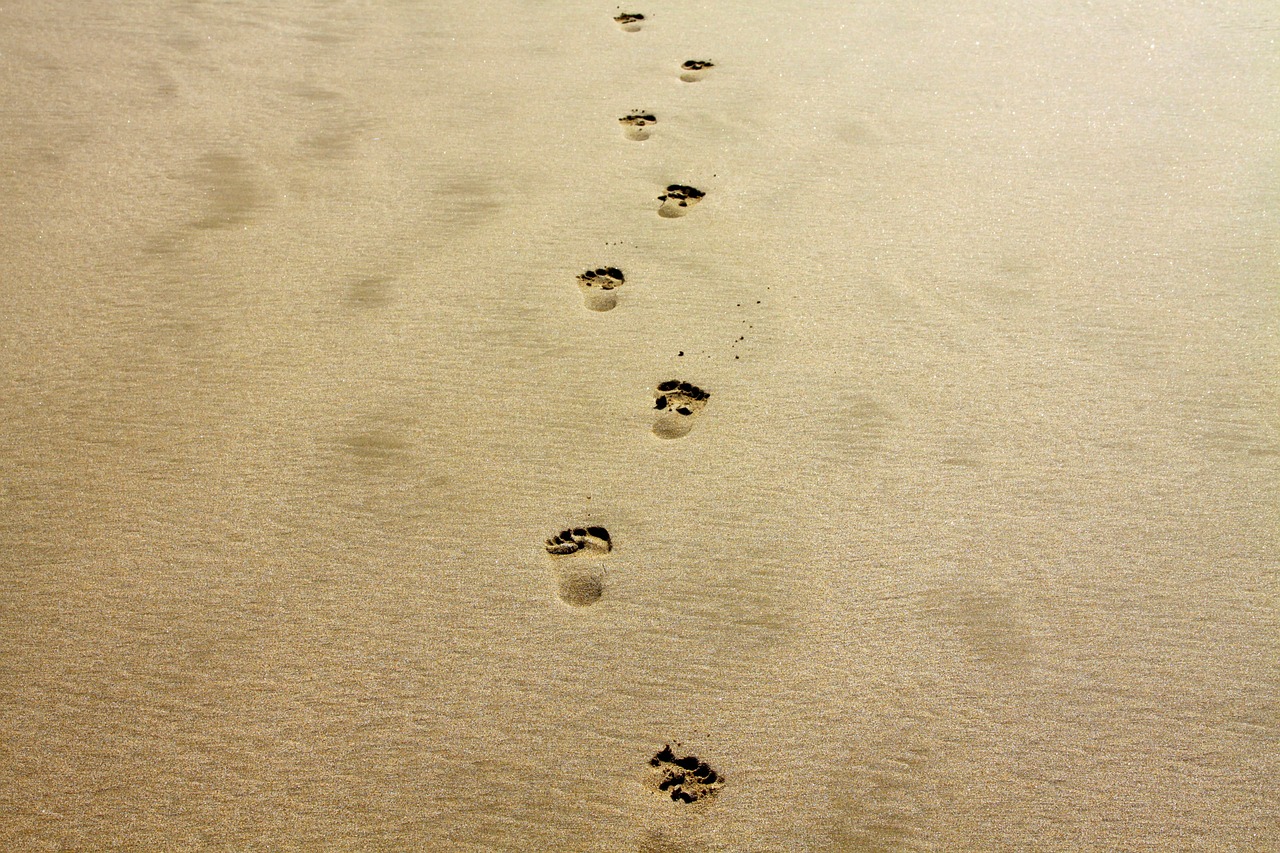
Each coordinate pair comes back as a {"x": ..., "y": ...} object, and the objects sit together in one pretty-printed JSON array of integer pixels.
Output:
[{"x": 579, "y": 554}]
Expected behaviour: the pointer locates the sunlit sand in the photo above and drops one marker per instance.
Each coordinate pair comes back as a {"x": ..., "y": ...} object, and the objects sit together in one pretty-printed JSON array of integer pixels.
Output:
[{"x": 467, "y": 428}]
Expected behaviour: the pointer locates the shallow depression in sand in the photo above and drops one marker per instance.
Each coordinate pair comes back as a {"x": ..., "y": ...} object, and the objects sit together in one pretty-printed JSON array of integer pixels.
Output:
[
  {"x": 679, "y": 404},
  {"x": 638, "y": 126},
  {"x": 677, "y": 200},
  {"x": 693, "y": 70},
  {"x": 579, "y": 573},
  {"x": 600, "y": 288},
  {"x": 630, "y": 22}
]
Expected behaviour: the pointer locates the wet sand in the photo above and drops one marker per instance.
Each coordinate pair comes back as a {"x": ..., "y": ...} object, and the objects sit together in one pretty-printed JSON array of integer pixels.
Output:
[{"x": 971, "y": 545}]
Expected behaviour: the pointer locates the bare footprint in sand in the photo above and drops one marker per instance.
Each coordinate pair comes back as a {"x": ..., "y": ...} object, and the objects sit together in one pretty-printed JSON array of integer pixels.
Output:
[
  {"x": 677, "y": 200},
  {"x": 580, "y": 580},
  {"x": 600, "y": 286},
  {"x": 693, "y": 70},
  {"x": 685, "y": 779},
  {"x": 680, "y": 403},
  {"x": 630, "y": 21},
  {"x": 638, "y": 126}
]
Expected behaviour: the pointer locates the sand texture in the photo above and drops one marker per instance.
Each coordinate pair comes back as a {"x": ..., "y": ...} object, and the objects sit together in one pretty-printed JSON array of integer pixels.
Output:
[{"x": 912, "y": 487}]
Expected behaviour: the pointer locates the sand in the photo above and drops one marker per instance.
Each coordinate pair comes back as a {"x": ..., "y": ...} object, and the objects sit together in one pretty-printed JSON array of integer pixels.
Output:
[{"x": 972, "y": 545}]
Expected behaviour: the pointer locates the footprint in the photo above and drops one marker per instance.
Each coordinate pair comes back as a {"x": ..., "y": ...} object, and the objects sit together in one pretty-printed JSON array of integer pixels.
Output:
[
  {"x": 693, "y": 70},
  {"x": 630, "y": 21},
  {"x": 679, "y": 402},
  {"x": 576, "y": 539},
  {"x": 677, "y": 200},
  {"x": 581, "y": 582},
  {"x": 686, "y": 780},
  {"x": 638, "y": 126},
  {"x": 599, "y": 288}
]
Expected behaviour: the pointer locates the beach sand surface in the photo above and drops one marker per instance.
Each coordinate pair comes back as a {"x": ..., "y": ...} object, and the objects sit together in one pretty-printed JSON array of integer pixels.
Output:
[{"x": 973, "y": 546}]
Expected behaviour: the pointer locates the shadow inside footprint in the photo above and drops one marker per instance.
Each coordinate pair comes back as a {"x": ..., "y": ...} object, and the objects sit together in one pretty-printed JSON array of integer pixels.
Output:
[
  {"x": 677, "y": 200},
  {"x": 679, "y": 402},
  {"x": 685, "y": 779},
  {"x": 580, "y": 582},
  {"x": 630, "y": 21},
  {"x": 693, "y": 70},
  {"x": 599, "y": 288},
  {"x": 638, "y": 126}
]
